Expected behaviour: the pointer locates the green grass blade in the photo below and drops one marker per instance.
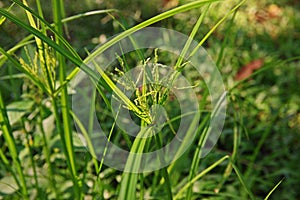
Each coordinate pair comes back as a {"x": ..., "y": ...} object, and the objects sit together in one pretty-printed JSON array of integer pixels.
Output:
[
  {"x": 164, "y": 171},
  {"x": 228, "y": 169},
  {"x": 85, "y": 134},
  {"x": 27, "y": 39},
  {"x": 233, "y": 10},
  {"x": 2, "y": 18},
  {"x": 33, "y": 162},
  {"x": 191, "y": 37},
  {"x": 240, "y": 176},
  {"x": 78, "y": 62},
  {"x": 86, "y": 14},
  {"x": 23, "y": 43},
  {"x": 7, "y": 165},
  {"x": 257, "y": 150},
  {"x": 135, "y": 45},
  {"x": 106, "y": 146},
  {"x": 197, "y": 154},
  {"x": 274, "y": 188},
  {"x": 189, "y": 134},
  {"x": 200, "y": 175}
]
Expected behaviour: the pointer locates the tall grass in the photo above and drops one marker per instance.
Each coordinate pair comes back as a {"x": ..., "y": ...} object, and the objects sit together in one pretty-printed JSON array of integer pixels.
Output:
[{"x": 49, "y": 71}]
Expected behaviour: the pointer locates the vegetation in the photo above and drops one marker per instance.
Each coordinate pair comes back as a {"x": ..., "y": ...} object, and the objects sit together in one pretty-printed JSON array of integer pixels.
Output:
[{"x": 47, "y": 152}]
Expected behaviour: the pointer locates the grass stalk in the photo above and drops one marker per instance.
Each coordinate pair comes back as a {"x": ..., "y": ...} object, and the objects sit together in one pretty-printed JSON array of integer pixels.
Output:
[
  {"x": 228, "y": 36},
  {"x": 198, "y": 151},
  {"x": 196, "y": 27},
  {"x": 258, "y": 147},
  {"x": 228, "y": 170},
  {"x": 7, "y": 166},
  {"x": 67, "y": 129},
  {"x": 47, "y": 155},
  {"x": 29, "y": 146},
  {"x": 191, "y": 38},
  {"x": 129, "y": 180},
  {"x": 7, "y": 133}
]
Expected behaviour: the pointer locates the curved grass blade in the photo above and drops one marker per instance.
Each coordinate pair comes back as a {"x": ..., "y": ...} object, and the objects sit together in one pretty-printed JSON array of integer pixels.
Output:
[
  {"x": 157, "y": 18},
  {"x": 69, "y": 56},
  {"x": 40, "y": 35},
  {"x": 23, "y": 43}
]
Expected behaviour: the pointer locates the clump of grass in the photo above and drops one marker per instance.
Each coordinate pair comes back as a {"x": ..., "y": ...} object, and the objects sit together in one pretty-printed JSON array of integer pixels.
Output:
[{"x": 48, "y": 70}]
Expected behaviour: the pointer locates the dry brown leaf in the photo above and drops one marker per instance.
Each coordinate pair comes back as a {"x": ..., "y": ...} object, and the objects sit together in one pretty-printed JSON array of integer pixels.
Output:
[
  {"x": 248, "y": 69},
  {"x": 274, "y": 11},
  {"x": 266, "y": 14}
]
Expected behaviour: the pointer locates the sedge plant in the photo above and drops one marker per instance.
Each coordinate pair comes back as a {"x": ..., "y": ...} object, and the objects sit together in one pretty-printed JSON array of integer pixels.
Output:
[{"x": 50, "y": 73}]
